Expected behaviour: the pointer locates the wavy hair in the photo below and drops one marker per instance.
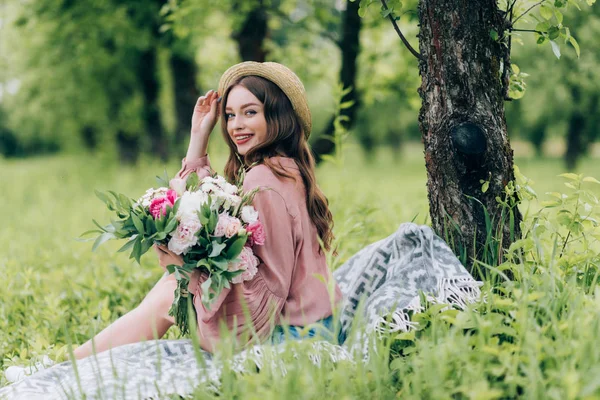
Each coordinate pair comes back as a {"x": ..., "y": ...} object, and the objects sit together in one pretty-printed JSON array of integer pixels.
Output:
[{"x": 285, "y": 137}]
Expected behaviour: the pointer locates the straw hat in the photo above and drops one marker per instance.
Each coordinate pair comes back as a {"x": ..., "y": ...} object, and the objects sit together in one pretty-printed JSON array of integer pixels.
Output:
[{"x": 280, "y": 75}]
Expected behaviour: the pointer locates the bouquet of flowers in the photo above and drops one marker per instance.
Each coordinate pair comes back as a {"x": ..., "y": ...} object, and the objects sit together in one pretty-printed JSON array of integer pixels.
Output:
[{"x": 210, "y": 223}]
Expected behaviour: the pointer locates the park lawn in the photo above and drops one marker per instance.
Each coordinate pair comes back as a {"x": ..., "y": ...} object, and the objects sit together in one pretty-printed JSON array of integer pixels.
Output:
[{"x": 537, "y": 341}]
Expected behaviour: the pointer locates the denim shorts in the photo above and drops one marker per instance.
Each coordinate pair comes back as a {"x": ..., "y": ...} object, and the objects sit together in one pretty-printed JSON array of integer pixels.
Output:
[{"x": 322, "y": 330}]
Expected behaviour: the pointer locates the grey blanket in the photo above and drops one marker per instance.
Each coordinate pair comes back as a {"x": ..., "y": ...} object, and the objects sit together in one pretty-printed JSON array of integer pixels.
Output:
[{"x": 384, "y": 281}]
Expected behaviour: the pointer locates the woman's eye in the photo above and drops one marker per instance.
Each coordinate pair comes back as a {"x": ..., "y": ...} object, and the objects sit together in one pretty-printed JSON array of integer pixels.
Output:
[
  {"x": 227, "y": 116},
  {"x": 251, "y": 112}
]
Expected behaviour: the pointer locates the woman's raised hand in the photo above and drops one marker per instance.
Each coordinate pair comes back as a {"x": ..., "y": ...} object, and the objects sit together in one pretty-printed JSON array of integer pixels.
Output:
[
  {"x": 204, "y": 119},
  {"x": 206, "y": 113}
]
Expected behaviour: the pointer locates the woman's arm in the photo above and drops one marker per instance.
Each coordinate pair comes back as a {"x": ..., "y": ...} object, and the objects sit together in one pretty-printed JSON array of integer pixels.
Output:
[{"x": 204, "y": 119}]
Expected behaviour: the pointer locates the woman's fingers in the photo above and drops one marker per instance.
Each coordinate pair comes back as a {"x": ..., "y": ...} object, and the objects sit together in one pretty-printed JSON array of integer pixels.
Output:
[{"x": 160, "y": 249}]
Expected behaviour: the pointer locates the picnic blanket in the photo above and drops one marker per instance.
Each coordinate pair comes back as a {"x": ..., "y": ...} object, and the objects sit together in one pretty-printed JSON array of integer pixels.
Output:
[{"x": 382, "y": 285}]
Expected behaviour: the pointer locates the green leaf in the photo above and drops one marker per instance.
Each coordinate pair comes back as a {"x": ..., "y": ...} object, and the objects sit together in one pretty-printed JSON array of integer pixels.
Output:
[
  {"x": 591, "y": 179},
  {"x": 137, "y": 247},
  {"x": 220, "y": 263},
  {"x": 485, "y": 186},
  {"x": 104, "y": 198},
  {"x": 555, "y": 48},
  {"x": 410, "y": 336},
  {"x": 138, "y": 223},
  {"x": 127, "y": 245},
  {"x": 546, "y": 12},
  {"x": 571, "y": 176},
  {"x": 216, "y": 248},
  {"x": 558, "y": 15},
  {"x": 347, "y": 104},
  {"x": 575, "y": 45},
  {"x": 494, "y": 34},
  {"x": 212, "y": 221},
  {"x": 101, "y": 239},
  {"x": 171, "y": 225},
  {"x": 236, "y": 247}
]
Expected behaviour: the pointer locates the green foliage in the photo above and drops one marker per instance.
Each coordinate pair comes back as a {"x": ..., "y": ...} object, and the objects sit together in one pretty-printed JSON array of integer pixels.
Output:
[{"x": 532, "y": 338}]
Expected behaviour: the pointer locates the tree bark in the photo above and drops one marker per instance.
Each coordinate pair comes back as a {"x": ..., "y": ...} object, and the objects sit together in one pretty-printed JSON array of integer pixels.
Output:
[
  {"x": 148, "y": 74},
  {"x": 186, "y": 93},
  {"x": 350, "y": 47},
  {"x": 463, "y": 126},
  {"x": 582, "y": 129},
  {"x": 250, "y": 38}
]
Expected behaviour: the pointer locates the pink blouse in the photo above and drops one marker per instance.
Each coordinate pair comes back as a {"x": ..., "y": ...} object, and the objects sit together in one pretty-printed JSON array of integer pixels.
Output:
[{"x": 289, "y": 287}]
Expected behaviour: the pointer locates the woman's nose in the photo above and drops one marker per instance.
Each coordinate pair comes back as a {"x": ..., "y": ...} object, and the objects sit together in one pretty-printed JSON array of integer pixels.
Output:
[{"x": 237, "y": 123}]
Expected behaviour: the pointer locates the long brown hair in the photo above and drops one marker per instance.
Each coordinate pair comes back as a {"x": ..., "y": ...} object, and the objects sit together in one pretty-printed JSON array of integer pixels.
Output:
[{"x": 285, "y": 138}]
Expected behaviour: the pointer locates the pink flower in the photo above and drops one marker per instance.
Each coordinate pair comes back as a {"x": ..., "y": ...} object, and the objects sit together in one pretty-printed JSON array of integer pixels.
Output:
[
  {"x": 227, "y": 226},
  {"x": 257, "y": 234},
  {"x": 233, "y": 227},
  {"x": 158, "y": 206},
  {"x": 184, "y": 236},
  {"x": 248, "y": 263},
  {"x": 221, "y": 225}
]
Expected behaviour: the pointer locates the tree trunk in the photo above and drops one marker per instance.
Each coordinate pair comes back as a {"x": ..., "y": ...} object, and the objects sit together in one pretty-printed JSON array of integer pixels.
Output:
[
  {"x": 250, "y": 38},
  {"x": 186, "y": 93},
  {"x": 148, "y": 74},
  {"x": 350, "y": 47},
  {"x": 463, "y": 126},
  {"x": 128, "y": 147}
]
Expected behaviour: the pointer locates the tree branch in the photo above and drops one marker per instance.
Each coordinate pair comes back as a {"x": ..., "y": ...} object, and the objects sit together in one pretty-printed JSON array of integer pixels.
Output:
[
  {"x": 323, "y": 33},
  {"x": 397, "y": 29},
  {"x": 527, "y": 30},
  {"x": 527, "y": 11}
]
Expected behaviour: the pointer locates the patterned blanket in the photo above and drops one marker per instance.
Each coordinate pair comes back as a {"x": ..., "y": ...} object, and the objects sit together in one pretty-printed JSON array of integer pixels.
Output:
[{"x": 382, "y": 285}]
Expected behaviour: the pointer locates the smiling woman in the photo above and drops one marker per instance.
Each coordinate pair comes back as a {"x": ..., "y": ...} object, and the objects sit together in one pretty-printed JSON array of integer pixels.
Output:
[{"x": 245, "y": 119}]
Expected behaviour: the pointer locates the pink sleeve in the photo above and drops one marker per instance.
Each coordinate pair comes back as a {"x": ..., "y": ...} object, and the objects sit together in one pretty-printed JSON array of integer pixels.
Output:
[
  {"x": 278, "y": 253},
  {"x": 201, "y": 166},
  {"x": 264, "y": 296}
]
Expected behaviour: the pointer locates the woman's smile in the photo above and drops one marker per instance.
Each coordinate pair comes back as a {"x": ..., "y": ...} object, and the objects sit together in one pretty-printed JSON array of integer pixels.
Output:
[{"x": 245, "y": 117}]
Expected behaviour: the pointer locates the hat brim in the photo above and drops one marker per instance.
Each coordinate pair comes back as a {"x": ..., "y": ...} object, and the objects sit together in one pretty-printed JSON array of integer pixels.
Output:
[{"x": 280, "y": 75}]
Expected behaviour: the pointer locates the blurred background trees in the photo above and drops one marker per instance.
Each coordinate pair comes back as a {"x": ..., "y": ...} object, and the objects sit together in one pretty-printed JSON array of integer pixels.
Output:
[{"x": 121, "y": 77}]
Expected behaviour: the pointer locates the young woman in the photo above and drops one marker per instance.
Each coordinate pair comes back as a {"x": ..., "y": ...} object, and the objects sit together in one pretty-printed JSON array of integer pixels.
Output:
[{"x": 266, "y": 122}]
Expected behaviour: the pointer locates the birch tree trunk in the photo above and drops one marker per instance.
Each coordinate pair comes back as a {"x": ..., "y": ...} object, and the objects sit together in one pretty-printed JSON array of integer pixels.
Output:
[{"x": 463, "y": 125}]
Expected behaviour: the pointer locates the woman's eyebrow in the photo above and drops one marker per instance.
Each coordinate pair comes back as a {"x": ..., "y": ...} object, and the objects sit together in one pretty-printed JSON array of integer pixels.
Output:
[{"x": 244, "y": 106}]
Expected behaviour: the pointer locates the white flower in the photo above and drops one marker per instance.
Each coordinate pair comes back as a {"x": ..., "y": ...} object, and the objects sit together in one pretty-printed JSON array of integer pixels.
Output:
[
  {"x": 249, "y": 214},
  {"x": 189, "y": 205},
  {"x": 209, "y": 187},
  {"x": 229, "y": 188},
  {"x": 150, "y": 194},
  {"x": 178, "y": 185},
  {"x": 184, "y": 236}
]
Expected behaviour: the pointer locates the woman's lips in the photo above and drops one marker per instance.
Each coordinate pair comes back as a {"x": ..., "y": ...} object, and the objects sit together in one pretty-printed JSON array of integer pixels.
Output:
[{"x": 244, "y": 140}]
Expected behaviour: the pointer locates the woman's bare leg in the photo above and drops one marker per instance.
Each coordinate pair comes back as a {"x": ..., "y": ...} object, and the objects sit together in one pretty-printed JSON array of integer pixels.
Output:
[{"x": 149, "y": 320}]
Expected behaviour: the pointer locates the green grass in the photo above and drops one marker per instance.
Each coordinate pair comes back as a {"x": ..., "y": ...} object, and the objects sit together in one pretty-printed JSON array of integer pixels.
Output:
[{"x": 535, "y": 337}]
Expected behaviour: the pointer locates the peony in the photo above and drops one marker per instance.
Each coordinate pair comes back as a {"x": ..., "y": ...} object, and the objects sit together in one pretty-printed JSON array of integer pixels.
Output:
[
  {"x": 249, "y": 214},
  {"x": 227, "y": 226},
  {"x": 184, "y": 236},
  {"x": 221, "y": 225},
  {"x": 233, "y": 227},
  {"x": 257, "y": 234},
  {"x": 178, "y": 185},
  {"x": 189, "y": 205},
  {"x": 248, "y": 262},
  {"x": 158, "y": 206},
  {"x": 150, "y": 195}
]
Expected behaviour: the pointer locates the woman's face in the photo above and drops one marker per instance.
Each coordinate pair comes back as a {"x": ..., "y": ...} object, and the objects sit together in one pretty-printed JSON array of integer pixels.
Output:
[{"x": 245, "y": 116}]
